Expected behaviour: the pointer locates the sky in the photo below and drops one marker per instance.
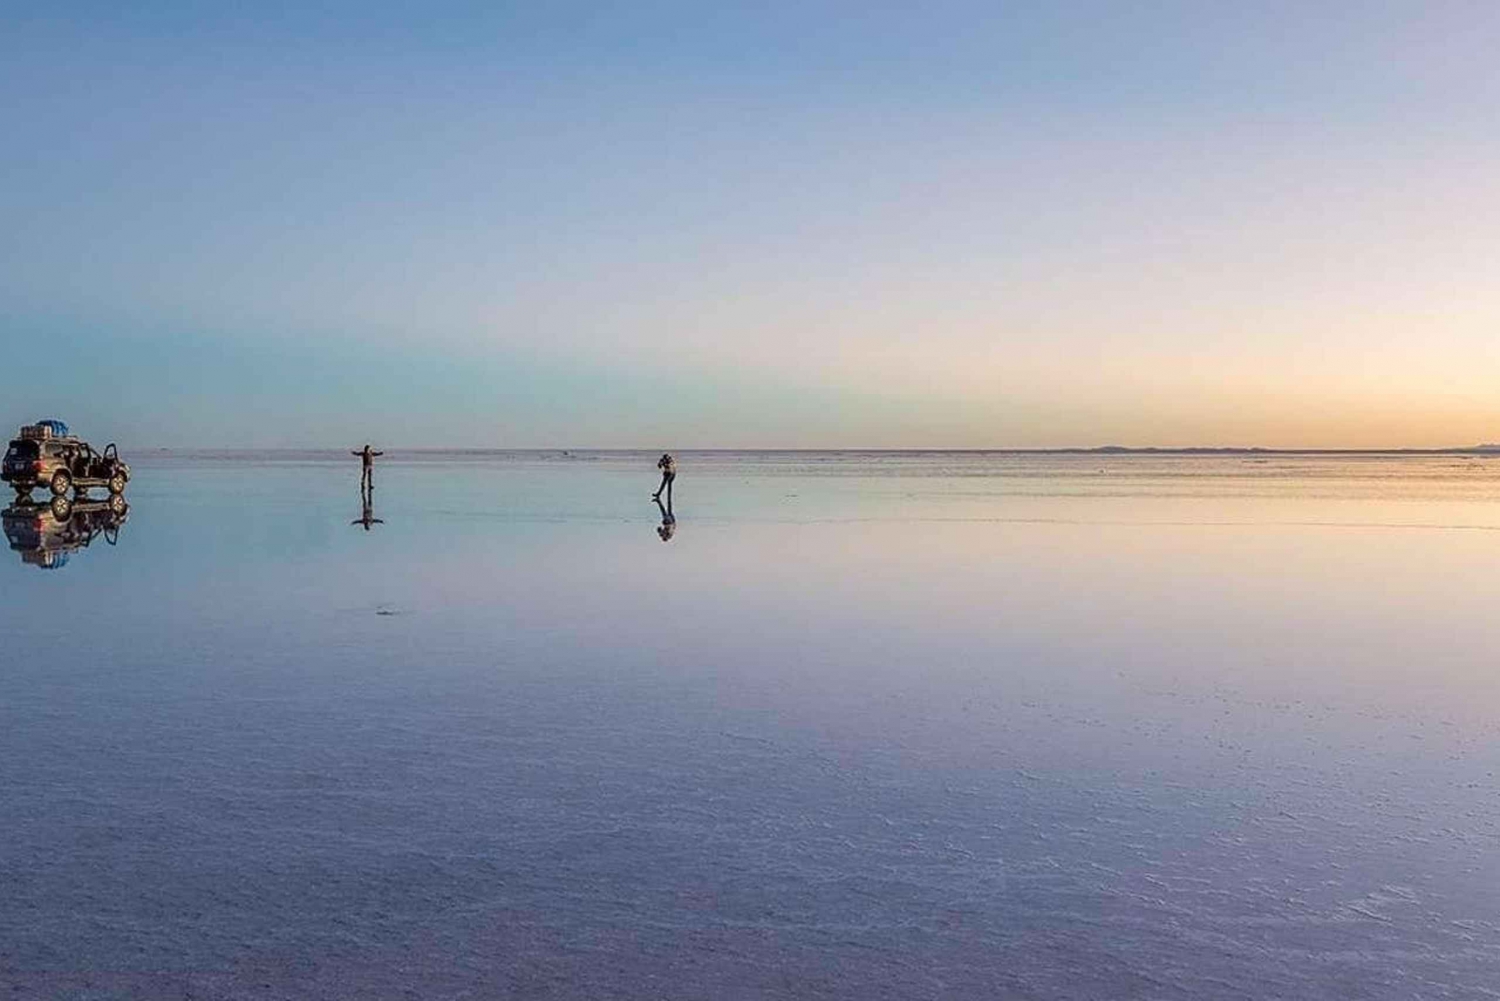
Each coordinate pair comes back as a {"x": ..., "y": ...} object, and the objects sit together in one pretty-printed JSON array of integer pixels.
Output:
[{"x": 678, "y": 225}]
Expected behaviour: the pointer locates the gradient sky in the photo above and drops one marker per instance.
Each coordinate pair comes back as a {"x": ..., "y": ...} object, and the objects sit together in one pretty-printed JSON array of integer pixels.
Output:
[{"x": 809, "y": 225}]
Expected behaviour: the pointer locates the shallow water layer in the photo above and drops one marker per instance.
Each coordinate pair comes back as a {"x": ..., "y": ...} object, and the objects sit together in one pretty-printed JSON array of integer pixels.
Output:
[{"x": 852, "y": 726}]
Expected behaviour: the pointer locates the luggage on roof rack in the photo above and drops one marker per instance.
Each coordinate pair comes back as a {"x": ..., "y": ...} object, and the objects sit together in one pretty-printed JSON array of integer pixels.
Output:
[{"x": 42, "y": 430}]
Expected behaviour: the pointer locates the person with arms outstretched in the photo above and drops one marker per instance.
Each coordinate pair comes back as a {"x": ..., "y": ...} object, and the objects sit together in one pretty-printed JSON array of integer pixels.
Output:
[{"x": 367, "y": 467}]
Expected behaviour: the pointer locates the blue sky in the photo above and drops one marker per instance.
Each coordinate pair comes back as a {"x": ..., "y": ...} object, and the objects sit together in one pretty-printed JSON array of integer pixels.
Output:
[{"x": 676, "y": 225}]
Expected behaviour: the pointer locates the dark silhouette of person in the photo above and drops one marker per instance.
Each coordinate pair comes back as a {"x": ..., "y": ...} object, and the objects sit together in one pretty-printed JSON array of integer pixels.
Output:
[
  {"x": 668, "y": 526},
  {"x": 366, "y": 467},
  {"x": 668, "y": 467}
]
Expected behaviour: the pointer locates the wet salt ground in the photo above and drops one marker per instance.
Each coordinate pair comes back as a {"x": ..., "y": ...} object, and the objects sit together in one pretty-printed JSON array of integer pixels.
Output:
[{"x": 858, "y": 730}]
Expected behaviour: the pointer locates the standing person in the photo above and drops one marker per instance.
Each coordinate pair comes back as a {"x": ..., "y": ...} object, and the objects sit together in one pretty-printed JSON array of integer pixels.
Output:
[
  {"x": 668, "y": 467},
  {"x": 366, "y": 467}
]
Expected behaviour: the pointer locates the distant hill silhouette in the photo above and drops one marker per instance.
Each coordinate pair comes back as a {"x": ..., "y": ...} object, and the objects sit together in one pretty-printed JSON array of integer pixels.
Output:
[{"x": 1488, "y": 448}]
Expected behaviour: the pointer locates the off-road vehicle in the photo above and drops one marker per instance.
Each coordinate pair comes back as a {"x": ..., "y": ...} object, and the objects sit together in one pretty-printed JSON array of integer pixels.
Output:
[
  {"x": 47, "y": 454},
  {"x": 47, "y": 534}
]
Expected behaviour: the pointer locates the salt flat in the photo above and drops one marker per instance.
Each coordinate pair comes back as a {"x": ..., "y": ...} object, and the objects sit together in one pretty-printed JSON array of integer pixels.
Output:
[{"x": 862, "y": 726}]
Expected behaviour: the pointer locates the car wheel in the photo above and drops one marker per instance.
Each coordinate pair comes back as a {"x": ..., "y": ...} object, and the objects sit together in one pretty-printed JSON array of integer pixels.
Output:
[
  {"x": 62, "y": 481},
  {"x": 62, "y": 508},
  {"x": 117, "y": 484},
  {"x": 116, "y": 504}
]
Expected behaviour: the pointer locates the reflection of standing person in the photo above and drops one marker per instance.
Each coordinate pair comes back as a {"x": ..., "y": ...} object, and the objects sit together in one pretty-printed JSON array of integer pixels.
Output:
[
  {"x": 367, "y": 509},
  {"x": 366, "y": 467},
  {"x": 668, "y": 467},
  {"x": 668, "y": 520}
]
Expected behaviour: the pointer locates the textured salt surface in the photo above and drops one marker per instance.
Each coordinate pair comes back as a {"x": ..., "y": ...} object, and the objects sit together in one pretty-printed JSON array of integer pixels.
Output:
[{"x": 862, "y": 728}]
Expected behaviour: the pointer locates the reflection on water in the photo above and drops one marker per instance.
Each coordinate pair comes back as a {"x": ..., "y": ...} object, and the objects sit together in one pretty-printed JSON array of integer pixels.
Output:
[
  {"x": 46, "y": 534},
  {"x": 668, "y": 526},
  {"x": 875, "y": 726},
  {"x": 367, "y": 517}
]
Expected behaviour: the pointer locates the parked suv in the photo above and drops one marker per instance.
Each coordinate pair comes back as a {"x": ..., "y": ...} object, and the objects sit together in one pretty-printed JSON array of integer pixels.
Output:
[{"x": 47, "y": 454}]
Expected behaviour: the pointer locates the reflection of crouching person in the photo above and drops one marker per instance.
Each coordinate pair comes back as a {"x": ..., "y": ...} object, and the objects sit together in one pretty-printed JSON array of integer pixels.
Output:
[{"x": 668, "y": 467}]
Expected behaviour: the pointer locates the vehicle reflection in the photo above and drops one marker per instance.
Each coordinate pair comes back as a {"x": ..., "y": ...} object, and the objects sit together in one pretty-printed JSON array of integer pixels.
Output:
[{"x": 46, "y": 534}]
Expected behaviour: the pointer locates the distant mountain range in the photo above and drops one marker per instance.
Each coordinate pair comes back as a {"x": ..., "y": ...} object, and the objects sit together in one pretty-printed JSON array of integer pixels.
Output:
[{"x": 1488, "y": 448}]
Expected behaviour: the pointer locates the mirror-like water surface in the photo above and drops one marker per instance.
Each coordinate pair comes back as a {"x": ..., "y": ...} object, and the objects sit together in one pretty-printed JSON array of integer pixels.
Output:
[{"x": 843, "y": 725}]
